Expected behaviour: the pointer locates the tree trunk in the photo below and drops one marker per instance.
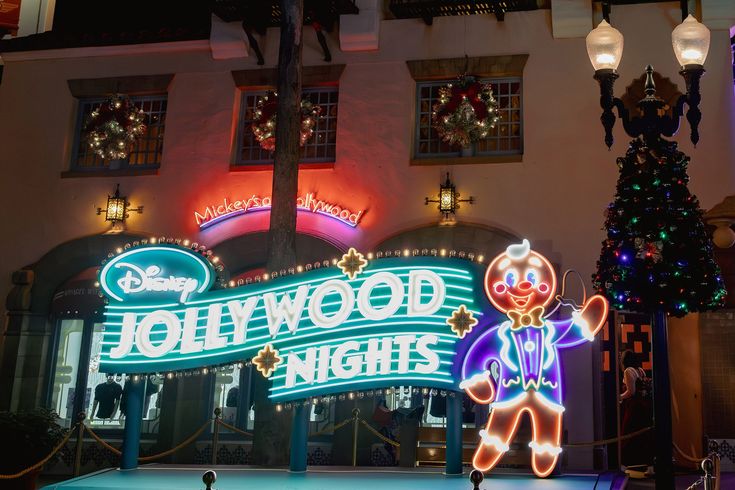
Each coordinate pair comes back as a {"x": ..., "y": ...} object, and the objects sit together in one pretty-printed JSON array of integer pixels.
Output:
[
  {"x": 271, "y": 438},
  {"x": 282, "y": 234}
]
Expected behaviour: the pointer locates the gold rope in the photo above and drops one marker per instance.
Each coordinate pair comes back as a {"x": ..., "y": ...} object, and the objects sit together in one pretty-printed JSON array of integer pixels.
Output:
[
  {"x": 233, "y": 428},
  {"x": 153, "y": 456},
  {"x": 610, "y": 440},
  {"x": 44, "y": 460},
  {"x": 379, "y": 435},
  {"x": 104, "y": 444},
  {"x": 685, "y": 456},
  {"x": 331, "y": 428},
  {"x": 176, "y": 448}
]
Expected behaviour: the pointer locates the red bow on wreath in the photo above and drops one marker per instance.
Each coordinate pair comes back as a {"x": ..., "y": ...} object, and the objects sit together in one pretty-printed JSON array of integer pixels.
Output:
[
  {"x": 264, "y": 120},
  {"x": 465, "y": 112}
]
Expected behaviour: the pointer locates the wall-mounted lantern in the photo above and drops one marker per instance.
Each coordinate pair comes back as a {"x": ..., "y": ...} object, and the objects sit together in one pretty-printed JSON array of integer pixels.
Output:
[
  {"x": 117, "y": 209},
  {"x": 448, "y": 200}
]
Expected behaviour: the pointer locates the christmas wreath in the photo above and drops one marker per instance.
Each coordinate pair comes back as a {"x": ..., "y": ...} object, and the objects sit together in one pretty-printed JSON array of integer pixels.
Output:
[
  {"x": 264, "y": 120},
  {"x": 114, "y": 127},
  {"x": 466, "y": 111}
]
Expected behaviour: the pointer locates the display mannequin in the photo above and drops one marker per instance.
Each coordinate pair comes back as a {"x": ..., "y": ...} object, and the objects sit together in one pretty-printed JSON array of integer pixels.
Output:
[{"x": 106, "y": 399}]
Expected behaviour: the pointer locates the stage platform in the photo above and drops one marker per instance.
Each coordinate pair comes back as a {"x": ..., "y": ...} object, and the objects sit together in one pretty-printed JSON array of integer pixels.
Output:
[{"x": 172, "y": 477}]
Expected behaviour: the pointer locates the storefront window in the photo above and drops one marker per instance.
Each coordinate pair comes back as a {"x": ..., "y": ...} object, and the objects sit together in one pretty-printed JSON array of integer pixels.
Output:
[
  {"x": 227, "y": 393},
  {"x": 104, "y": 395},
  {"x": 68, "y": 350},
  {"x": 102, "y": 404}
]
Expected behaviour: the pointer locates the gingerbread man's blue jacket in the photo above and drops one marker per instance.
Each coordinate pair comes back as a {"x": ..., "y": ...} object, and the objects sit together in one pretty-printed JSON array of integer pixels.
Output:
[{"x": 527, "y": 358}]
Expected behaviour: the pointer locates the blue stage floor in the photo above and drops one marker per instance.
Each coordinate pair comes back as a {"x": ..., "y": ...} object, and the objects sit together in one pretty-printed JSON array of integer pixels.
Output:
[{"x": 165, "y": 477}]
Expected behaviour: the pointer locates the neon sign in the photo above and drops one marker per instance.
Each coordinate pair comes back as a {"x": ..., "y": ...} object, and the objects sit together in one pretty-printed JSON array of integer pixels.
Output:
[
  {"x": 434, "y": 321},
  {"x": 172, "y": 273},
  {"x": 525, "y": 349},
  {"x": 228, "y": 208},
  {"x": 363, "y": 323}
]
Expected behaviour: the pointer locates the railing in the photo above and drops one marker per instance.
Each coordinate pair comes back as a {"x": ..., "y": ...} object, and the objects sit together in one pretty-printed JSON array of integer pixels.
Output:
[
  {"x": 80, "y": 428},
  {"x": 710, "y": 465},
  {"x": 355, "y": 420}
]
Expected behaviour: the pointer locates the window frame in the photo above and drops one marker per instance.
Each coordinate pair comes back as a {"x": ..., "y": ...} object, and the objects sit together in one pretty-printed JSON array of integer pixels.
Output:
[
  {"x": 238, "y": 163},
  {"x": 445, "y": 157},
  {"x": 123, "y": 164}
]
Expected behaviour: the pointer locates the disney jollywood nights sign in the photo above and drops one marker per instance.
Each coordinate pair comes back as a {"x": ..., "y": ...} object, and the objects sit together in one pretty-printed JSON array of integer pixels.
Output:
[{"x": 425, "y": 319}]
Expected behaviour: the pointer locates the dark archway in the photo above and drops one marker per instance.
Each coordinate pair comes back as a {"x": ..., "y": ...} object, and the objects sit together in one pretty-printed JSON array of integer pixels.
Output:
[
  {"x": 66, "y": 260},
  {"x": 249, "y": 251},
  {"x": 467, "y": 237},
  {"x": 29, "y": 329}
]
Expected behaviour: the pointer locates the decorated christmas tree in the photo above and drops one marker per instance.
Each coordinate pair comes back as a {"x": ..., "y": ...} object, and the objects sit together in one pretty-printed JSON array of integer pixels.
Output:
[{"x": 657, "y": 255}]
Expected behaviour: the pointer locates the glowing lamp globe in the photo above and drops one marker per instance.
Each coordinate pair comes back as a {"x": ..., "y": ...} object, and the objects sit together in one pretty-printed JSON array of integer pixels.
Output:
[
  {"x": 723, "y": 236},
  {"x": 605, "y": 47},
  {"x": 690, "y": 40},
  {"x": 447, "y": 197}
]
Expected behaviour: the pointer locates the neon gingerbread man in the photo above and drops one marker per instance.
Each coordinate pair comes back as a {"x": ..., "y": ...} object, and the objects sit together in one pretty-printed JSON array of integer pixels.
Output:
[{"x": 525, "y": 348}]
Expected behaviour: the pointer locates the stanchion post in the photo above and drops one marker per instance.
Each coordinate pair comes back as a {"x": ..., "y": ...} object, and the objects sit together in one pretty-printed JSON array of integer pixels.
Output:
[
  {"x": 209, "y": 478},
  {"x": 133, "y": 417},
  {"x": 454, "y": 434},
  {"x": 476, "y": 478},
  {"x": 355, "y": 421},
  {"x": 215, "y": 434},
  {"x": 80, "y": 442},
  {"x": 708, "y": 468},
  {"x": 299, "y": 438}
]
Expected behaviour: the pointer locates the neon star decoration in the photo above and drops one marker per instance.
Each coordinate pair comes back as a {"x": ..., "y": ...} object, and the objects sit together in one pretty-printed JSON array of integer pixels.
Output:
[
  {"x": 462, "y": 321},
  {"x": 525, "y": 350},
  {"x": 352, "y": 263},
  {"x": 267, "y": 360}
]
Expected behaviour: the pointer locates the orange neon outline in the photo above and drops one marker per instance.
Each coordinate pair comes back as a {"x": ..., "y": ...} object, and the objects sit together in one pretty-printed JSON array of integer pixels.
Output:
[
  {"x": 606, "y": 310},
  {"x": 544, "y": 260},
  {"x": 524, "y": 404},
  {"x": 477, "y": 399},
  {"x": 536, "y": 433}
]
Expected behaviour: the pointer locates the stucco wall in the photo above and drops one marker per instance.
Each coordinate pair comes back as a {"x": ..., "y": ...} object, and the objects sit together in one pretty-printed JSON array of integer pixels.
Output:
[{"x": 556, "y": 196}]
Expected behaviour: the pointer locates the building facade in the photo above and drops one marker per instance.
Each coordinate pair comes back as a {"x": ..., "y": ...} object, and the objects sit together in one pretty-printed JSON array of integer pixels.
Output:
[{"x": 544, "y": 174}]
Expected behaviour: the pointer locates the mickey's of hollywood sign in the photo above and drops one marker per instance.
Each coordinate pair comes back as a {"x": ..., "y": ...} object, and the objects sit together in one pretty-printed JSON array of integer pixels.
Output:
[{"x": 318, "y": 361}]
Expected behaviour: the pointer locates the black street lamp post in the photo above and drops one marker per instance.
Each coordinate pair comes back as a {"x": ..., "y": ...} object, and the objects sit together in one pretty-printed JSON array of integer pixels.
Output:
[{"x": 690, "y": 41}]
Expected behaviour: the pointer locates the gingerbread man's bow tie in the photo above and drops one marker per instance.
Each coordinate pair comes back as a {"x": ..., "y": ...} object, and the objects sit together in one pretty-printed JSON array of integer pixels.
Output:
[{"x": 530, "y": 319}]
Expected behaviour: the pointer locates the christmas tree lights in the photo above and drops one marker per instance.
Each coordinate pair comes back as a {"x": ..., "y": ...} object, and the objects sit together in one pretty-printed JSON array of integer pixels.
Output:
[{"x": 657, "y": 254}]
